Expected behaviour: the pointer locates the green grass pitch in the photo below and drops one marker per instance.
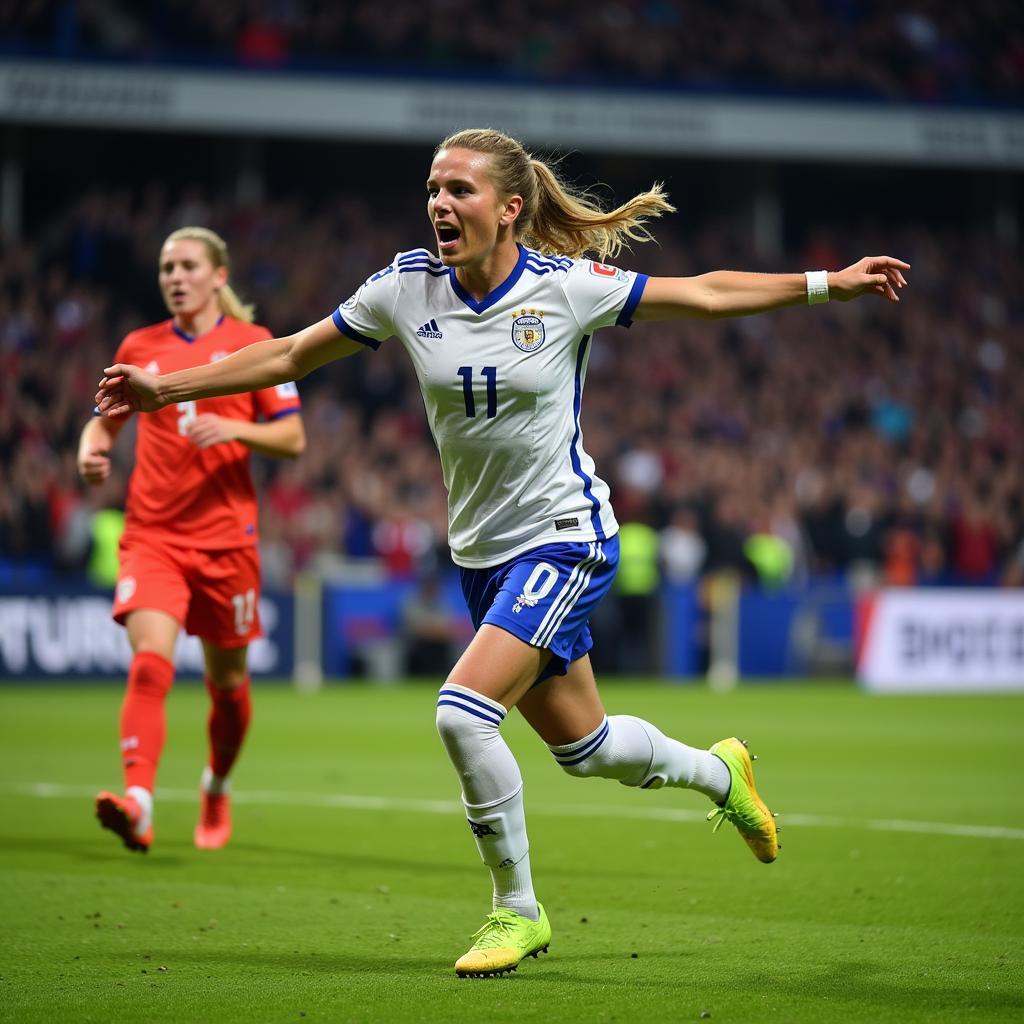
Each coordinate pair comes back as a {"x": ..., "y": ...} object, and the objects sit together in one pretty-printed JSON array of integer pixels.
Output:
[{"x": 352, "y": 883}]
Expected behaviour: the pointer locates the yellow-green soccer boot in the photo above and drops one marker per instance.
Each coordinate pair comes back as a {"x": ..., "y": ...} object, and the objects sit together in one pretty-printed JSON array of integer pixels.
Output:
[
  {"x": 743, "y": 807},
  {"x": 505, "y": 939}
]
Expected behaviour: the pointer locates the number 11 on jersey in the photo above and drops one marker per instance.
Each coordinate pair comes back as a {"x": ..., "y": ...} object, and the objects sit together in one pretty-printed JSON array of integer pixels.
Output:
[{"x": 490, "y": 374}]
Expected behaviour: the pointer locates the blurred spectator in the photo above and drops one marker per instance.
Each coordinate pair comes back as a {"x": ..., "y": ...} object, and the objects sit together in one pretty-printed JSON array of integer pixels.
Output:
[
  {"x": 262, "y": 40},
  {"x": 770, "y": 554},
  {"x": 29, "y": 524},
  {"x": 726, "y": 535},
  {"x": 104, "y": 561},
  {"x": 975, "y": 543},
  {"x": 902, "y": 557},
  {"x": 432, "y": 632},
  {"x": 403, "y": 542},
  {"x": 635, "y": 596},
  {"x": 681, "y": 547}
]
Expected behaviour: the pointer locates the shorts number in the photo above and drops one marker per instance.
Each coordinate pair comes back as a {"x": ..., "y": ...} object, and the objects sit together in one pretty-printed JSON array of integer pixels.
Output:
[
  {"x": 187, "y": 417},
  {"x": 490, "y": 374},
  {"x": 541, "y": 580},
  {"x": 245, "y": 611}
]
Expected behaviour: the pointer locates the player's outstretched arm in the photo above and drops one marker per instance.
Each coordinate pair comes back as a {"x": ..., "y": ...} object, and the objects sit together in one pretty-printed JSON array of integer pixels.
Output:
[
  {"x": 727, "y": 293},
  {"x": 125, "y": 388}
]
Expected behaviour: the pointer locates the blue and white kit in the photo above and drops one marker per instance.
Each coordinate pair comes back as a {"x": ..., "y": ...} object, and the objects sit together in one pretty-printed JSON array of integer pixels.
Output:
[
  {"x": 502, "y": 381},
  {"x": 545, "y": 596}
]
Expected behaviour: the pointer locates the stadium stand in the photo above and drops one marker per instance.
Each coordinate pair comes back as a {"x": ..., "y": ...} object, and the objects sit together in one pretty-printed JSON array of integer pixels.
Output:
[
  {"x": 925, "y": 52},
  {"x": 869, "y": 442}
]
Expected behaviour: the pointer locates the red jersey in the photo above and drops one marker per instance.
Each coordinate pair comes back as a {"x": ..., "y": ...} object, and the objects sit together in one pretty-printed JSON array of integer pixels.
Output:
[{"x": 180, "y": 493}]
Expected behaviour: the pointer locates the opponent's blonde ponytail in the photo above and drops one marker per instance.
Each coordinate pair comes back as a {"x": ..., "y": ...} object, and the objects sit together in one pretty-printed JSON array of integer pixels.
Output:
[
  {"x": 217, "y": 249},
  {"x": 557, "y": 219}
]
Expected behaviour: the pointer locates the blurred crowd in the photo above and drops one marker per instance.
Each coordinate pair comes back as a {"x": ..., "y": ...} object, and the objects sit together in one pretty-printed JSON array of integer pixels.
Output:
[
  {"x": 862, "y": 442},
  {"x": 925, "y": 50}
]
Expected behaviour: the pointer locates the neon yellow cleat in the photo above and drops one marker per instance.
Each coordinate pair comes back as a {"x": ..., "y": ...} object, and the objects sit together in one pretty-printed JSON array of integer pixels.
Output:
[
  {"x": 505, "y": 939},
  {"x": 743, "y": 807}
]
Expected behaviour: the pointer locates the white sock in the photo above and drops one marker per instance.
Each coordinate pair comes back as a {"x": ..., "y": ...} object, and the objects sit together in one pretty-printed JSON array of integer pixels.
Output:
[
  {"x": 500, "y": 833},
  {"x": 492, "y": 792},
  {"x": 215, "y": 785},
  {"x": 144, "y": 799},
  {"x": 637, "y": 753},
  {"x": 513, "y": 888}
]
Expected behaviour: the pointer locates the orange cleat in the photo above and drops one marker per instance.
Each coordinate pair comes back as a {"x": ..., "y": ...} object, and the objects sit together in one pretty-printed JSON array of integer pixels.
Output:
[
  {"x": 123, "y": 816},
  {"x": 214, "y": 828}
]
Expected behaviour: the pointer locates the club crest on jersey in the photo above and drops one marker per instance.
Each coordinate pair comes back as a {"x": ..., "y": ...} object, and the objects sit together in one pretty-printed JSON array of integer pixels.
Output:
[
  {"x": 218, "y": 356},
  {"x": 152, "y": 366},
  {"x": 528, "y": 330}
]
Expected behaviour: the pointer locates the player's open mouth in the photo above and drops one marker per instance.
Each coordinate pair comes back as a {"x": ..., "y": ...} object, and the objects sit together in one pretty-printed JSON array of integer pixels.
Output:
[{"x": 447, "y": 237}]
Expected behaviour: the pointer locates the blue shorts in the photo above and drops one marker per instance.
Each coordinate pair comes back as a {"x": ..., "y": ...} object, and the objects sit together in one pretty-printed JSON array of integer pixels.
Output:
[{"x": 545, "y": 596}]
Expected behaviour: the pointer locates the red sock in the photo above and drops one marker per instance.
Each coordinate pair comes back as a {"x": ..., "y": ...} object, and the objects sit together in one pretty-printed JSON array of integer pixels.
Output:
[
  {"x": 143, "y": 721},
  {"x": 227, "y": 724}
]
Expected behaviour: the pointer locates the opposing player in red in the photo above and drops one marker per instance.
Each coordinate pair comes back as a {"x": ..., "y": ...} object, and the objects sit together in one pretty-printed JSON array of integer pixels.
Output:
[{"x": 188, "y": 553}]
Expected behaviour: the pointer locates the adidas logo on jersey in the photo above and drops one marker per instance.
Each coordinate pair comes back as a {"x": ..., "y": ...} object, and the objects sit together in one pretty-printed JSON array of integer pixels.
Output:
[{"x": 430, "y": 330}]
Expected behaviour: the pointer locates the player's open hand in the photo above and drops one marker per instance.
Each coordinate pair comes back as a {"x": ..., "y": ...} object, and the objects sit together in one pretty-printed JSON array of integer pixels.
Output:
[
  {"x": 209, "y": 429},
  {"x": 125, "y": 389},
  {"x": 882, "y": 275},
  {"x": 94, "y": 465}
]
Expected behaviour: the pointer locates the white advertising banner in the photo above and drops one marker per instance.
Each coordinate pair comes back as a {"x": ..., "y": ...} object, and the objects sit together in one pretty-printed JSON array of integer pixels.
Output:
[
  {"x": 74, "y": 635},
  {"x": 942, "y": 641}
]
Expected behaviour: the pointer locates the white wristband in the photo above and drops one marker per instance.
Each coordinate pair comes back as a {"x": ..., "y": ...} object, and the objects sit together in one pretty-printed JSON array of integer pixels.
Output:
[{"x": 817, "y": 286}]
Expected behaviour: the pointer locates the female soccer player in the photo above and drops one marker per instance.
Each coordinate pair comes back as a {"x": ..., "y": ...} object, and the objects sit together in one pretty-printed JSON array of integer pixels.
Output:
[
  {"x": 188, "y": 553},
  {"x": 498, "y": 327}
]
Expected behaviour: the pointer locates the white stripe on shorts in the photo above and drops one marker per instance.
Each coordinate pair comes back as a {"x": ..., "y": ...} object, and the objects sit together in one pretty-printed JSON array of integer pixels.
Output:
[{"x": 578, "y": 581}]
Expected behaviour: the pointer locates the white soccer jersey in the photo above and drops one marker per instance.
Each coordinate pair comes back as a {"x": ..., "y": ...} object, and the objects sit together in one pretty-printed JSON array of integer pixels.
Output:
[{"x": 502, "y": 380}]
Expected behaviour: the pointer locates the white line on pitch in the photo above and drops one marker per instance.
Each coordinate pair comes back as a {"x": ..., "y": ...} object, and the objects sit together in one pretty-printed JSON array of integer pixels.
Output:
[{"x": 352, "y": 802}]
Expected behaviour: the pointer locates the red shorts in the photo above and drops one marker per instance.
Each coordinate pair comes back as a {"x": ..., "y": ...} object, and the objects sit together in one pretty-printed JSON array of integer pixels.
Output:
[{"x": 213, "y": 594}]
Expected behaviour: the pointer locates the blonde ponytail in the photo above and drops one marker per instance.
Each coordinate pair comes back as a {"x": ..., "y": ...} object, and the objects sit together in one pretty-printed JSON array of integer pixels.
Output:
[
  {"x": 573, "y": 224},
  {"x": 557, "y": 219},
  {"x": 231, "y": 305},
  {"x": 217, "y": 249}
]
